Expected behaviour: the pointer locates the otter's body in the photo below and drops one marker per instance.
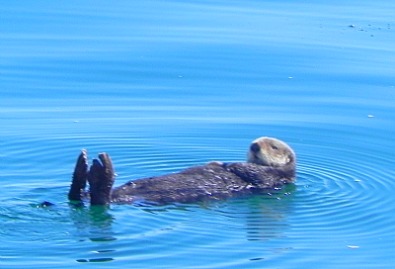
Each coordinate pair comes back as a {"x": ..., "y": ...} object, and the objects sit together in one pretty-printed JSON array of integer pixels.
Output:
[
  {"x": 271, "y": 164},
  {"x": 213, "y": 181}
]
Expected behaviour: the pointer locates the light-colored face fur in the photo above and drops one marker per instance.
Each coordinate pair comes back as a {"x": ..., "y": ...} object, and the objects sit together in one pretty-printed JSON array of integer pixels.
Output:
[{"x": 270, "y": 151}]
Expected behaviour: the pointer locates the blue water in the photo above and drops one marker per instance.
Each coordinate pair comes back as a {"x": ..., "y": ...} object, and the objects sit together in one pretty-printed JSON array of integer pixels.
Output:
[{"x": 164, "y": 85}]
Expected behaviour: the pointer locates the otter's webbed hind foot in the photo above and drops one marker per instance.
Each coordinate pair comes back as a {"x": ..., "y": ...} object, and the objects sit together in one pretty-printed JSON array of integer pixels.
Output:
[
  {"x": 80, "y": 174},
  {"x": 101, "y": 179}
]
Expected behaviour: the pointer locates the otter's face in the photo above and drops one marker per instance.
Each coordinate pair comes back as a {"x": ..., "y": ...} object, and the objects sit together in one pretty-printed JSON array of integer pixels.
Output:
[{"x": 271, "y": 152}]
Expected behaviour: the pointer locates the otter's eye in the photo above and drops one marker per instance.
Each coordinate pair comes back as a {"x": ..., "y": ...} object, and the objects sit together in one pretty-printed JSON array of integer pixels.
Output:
[{"x": 274, "y": 147}]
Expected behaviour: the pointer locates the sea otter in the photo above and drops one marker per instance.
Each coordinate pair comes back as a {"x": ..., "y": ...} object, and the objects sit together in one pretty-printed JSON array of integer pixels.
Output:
[{"x": 270, "y": 164}]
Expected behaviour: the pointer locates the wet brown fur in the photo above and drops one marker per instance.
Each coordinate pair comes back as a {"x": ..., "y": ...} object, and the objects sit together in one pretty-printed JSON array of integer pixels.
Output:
[{"x": 271, "y": 164}]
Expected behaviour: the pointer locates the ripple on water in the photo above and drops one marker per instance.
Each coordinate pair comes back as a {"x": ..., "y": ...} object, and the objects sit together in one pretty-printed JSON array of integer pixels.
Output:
[
  {"x": 342, "y": 191},
  {"x": 337, "y": 192}
]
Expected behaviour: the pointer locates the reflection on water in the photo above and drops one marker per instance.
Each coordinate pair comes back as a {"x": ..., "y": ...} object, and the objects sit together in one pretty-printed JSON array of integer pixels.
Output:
[
  {"x": 268, "y": 216},
  {"x": 94, "y": 223},
  {"x": 257, "y": 218}
]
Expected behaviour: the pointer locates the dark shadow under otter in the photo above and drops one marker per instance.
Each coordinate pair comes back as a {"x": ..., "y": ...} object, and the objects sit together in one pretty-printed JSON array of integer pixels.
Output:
[{"x": 213, "y": 181}]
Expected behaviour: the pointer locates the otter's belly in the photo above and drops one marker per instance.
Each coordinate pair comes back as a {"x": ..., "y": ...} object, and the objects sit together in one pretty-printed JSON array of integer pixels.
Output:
[{"x": 208, "y": 182}]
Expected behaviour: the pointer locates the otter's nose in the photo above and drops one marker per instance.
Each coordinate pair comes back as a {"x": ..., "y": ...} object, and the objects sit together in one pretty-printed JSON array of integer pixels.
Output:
[{"x": 255, "y": 147}]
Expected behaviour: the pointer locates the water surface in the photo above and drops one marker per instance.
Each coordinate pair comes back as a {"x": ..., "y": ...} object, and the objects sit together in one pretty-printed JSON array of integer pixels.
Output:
[{"x": 164, "y": 86}]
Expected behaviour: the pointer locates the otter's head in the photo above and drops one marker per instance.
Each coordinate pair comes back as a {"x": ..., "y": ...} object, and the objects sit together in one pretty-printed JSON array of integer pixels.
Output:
[{"x": 271, "y": 152}]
